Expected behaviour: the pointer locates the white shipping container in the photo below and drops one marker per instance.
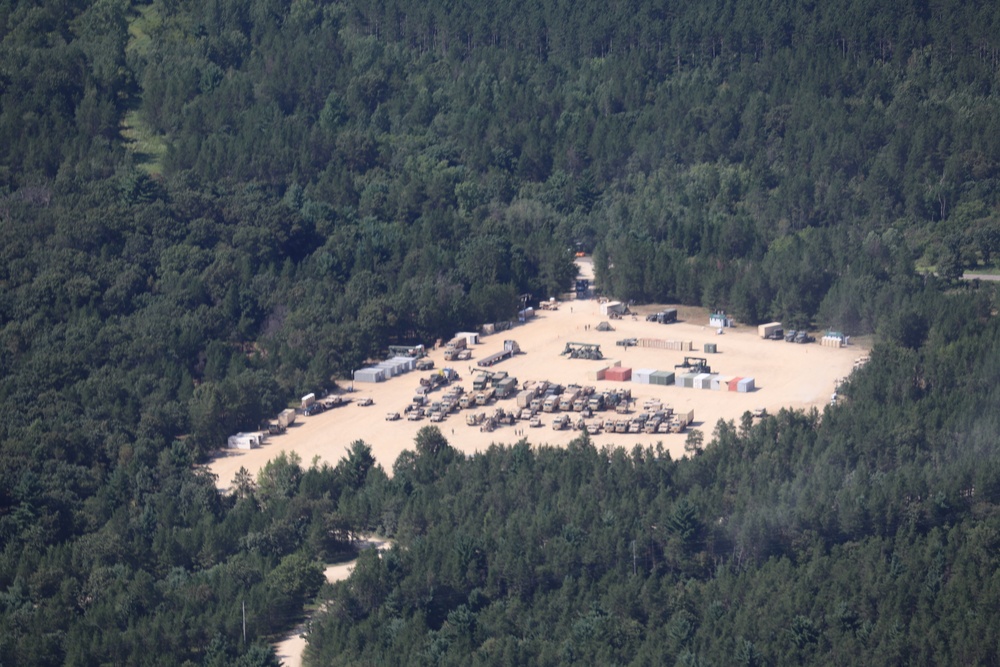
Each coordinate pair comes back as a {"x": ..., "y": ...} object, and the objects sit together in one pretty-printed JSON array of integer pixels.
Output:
[
  {"x": 245, "y": 440},
  {"x": 745, "y": 386},
  {"x": 405, "y": 364},
  {"x": 612, "y": 307},
  {"x": 471, "y": 337},
  {"x": 391, "y": 370},
  {"x": 703, "y": 381},
  {"x": 370, "y": 375},
  {"x": 721, "y": 382},
  {"x": 641, "y": 375}
]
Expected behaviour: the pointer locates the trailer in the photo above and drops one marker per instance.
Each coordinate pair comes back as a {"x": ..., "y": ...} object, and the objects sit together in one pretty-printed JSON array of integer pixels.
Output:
[
  {"x": 308, "y": 400},
  {"x": 510, "y": 348},
  {"x": 771, "y": 331},
  {"x": 524, "y": 398},
  {"x": 681, "y": 421},
  {"x": 245, "y": 440},
  {"x": 611, "y": 308},
  {"x": 286, "y": 417}
]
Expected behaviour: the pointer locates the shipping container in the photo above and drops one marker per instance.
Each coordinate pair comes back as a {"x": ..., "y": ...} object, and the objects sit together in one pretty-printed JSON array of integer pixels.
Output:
[
  {"x": 703, "y": 381},
  {"x": 711, "y": 348},
  {"x": 745, "y": 386},
  {"x": 597, "y": 374},
  {"x": 388, "y": 368},
  {"x": 370, "y": 375},
  {"x": 641, "y": 375},
  {"x": 618, "y": 374},
  {"x": 734, "y": 383},
  {"x": 662, "y": 378},
  {"x": 721, "y": 382},
  {"x": 406, "y": 364}
]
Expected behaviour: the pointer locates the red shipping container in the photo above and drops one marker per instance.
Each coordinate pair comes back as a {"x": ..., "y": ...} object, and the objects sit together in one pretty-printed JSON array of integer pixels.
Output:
[
  {"x": 734, "y": 383},
  {"x": 618, "y": 374}
]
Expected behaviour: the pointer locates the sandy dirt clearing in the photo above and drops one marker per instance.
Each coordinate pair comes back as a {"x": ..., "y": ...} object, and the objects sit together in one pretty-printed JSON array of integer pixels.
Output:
[{"x": 786, "y": 374}]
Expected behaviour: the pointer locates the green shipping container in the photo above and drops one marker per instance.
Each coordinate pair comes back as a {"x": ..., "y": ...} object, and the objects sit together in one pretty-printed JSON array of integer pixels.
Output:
[{"x": 662, "y": 378}]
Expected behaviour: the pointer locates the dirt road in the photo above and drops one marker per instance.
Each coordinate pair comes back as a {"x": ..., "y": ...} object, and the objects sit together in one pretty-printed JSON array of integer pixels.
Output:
[{"x": 291, "y": 648}]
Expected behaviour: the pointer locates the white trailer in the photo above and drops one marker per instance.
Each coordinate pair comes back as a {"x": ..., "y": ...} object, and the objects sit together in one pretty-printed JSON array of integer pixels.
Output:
[{"x": 286, "y": 417}]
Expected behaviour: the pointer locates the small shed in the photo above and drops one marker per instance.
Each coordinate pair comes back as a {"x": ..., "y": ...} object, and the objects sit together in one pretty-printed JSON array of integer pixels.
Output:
[{"x": 719, "y": 320}]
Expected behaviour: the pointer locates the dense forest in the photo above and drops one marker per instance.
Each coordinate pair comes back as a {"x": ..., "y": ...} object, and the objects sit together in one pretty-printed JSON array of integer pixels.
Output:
[{"x": 209, "y": 207}]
